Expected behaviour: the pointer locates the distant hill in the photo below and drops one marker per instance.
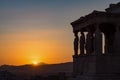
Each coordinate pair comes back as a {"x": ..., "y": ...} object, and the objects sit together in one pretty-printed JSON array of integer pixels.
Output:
[{"x": 44, "y": 69}]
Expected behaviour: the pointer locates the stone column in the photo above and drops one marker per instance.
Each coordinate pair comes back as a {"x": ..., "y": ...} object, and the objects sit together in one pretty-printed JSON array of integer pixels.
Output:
[
  {"x": 88, "y": 43},
  {"x": 106, "y": 44},
  {"x": 82, "y": 43},
  {"x": 115, "y": 66},
  {"x": 92, "y": 44},
  {"x": 98, "y": 41},
  {"x": 75, "y": 56},
  {"x": 76, "y": 43},
  {"x": 117, "y": 41}
]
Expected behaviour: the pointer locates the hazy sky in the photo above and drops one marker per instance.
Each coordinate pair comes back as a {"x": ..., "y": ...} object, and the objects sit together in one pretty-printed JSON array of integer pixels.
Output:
[{"x": 40, "y": 30}]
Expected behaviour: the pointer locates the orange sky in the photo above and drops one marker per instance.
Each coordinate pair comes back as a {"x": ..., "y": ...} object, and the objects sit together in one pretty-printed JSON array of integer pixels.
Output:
[{"x": 49, "y": 46}]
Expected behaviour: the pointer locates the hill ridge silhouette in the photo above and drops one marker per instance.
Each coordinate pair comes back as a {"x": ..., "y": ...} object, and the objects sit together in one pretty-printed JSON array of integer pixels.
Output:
[{"x": 43, "y": 69}]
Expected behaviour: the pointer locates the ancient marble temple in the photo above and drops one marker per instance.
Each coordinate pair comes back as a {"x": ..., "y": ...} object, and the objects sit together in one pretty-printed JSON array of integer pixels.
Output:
[{"x": 97, "y": 45}]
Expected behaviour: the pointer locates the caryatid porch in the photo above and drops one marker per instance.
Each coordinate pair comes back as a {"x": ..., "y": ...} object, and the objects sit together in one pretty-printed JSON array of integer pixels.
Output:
[{"x": 99, "y": 43}]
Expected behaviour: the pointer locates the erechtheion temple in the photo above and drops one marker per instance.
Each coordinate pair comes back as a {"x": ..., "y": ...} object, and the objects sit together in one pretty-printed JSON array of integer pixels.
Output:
[{"x": 97, "y": 45}]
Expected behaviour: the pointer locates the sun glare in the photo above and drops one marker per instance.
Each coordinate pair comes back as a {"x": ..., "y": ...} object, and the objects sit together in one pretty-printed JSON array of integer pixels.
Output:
[{"x": 35, "y": 63}]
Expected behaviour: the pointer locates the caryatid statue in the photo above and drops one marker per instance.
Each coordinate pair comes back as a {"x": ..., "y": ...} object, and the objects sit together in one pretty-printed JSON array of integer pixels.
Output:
[
  {"x": 82, "y": 43},
  {"x": 88, "y": 43},
  {"x": 76, "y": 43},
  {"x": 117, "y": 40},
  {"x": 98, "y": 41}
]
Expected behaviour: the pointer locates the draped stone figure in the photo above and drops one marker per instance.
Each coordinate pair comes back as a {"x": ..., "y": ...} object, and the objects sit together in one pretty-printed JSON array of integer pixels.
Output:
[
  {"x": 88, "y": 43},
  {"x": 98, "y": 41},
  {"x": 82, "y": 43},
  {"x": 116, "y": 41},
  {"x": 106, "y": 44},
  {"x": 92, "y": 44},
  {"x": 76, "y": 43}
]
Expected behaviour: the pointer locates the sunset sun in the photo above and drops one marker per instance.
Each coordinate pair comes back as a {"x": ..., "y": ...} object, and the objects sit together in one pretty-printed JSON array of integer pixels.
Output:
[{"x": 35, "y": 63}]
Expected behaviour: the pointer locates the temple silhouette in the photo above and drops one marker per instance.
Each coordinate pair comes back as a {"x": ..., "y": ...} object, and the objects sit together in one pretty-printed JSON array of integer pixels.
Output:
[{"x": 97, "y": 45}]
